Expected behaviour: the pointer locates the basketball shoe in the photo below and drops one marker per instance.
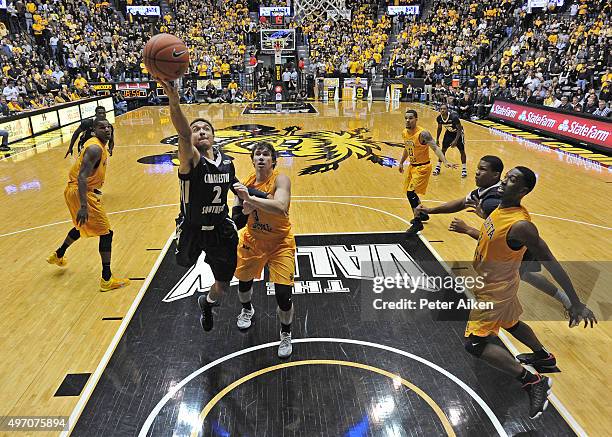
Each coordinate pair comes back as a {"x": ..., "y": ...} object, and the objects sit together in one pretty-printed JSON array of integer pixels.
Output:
[
  {"x": 113, "y": 283},
  {"x": 54, "y": 259},
  {"x": 532, "y": 359},
  {"x": 538, "y": 392}
]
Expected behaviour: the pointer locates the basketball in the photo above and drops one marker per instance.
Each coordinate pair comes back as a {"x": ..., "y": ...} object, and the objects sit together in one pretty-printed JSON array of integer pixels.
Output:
[{"x": 166, "y": 56}]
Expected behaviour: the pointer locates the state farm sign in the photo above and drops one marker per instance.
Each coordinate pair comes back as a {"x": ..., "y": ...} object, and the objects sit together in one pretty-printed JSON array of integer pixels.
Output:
[{"x": 589, "y": 130}]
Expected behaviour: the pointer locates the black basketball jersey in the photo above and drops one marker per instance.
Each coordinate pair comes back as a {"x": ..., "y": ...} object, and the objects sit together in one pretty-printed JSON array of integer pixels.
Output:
[
  {"x": 488, "y": 198},
  {"x": 204, "y": 191},
  {"x": 451, "y": 124}
]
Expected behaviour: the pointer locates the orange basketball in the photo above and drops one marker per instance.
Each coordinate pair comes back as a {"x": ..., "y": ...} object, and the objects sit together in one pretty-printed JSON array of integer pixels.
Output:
[{"x": 166, "y": 56}]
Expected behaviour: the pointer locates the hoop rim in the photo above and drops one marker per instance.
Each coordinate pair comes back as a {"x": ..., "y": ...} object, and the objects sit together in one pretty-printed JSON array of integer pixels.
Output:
[{"x": 278, "y": 44}]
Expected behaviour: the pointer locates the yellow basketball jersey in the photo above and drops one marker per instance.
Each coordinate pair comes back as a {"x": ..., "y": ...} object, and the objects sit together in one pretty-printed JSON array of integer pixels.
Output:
[
  {"x": 96, "y": 180},
  {"x": 418, "y": 153},
  {"x": 494, "y": 260},
  {"x": 264, "y": 225}
]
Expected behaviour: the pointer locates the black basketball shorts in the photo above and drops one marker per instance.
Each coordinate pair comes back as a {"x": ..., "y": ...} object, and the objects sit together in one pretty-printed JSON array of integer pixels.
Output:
[
  {"x": 449, "y": 137},
  {"x": 219, "y": 245}
]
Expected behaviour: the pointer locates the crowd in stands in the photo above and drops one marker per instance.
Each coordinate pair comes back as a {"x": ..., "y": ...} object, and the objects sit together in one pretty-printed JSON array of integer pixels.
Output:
[
  {"x": 55, "y": 49},
  {"x": 50, "y": 51},
  {"x": 348, "y": 47},
  {"x": 218, "y": 43},
  {"x": 475, "y": 103},
  {"x": 452, "y": 40},
  {"x": 560, "y": 60}
]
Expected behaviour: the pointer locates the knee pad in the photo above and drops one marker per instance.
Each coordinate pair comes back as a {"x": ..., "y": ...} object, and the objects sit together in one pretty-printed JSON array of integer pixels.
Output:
[
  {"x": 106, "y": 242},
  {"x": 74, "y": 234},
  {"x": 244, "y": 286},
  {"x": 283, "y": 296},
  {"x": 413, "y": 199},
  {"x": 475, "y": 345}
]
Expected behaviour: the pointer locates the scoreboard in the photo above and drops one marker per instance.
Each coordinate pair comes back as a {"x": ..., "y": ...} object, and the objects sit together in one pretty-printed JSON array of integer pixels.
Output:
[{"x": 128, "y": 90}]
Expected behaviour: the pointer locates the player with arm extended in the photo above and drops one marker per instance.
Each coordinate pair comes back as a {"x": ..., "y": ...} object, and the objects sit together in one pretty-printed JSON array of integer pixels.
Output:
[
  {"x": 483, "y": 201},
  {"x": 502, "y": 240}
]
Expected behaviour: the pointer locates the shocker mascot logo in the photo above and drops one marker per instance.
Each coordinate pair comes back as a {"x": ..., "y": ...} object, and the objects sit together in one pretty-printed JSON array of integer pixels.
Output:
[{"x": 323, "y": 150}]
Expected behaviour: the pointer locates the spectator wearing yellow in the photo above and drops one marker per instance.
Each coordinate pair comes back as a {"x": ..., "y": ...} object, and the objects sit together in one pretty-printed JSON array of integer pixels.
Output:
[
  {"x": 80, "y": 81},
  {"x": 225, "y": 68},
  {"x": 203, "y": 69},
  {"x": 38, "y": 28}
]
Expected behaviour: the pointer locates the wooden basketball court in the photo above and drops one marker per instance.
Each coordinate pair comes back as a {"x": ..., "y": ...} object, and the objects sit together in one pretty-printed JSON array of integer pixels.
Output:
[{"x": 56, "y": 323}]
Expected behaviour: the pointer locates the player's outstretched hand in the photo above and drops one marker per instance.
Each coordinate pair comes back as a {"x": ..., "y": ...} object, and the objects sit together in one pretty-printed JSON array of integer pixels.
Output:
[
  {"x": 241, "y": 191},
  {"x": 449, "y": 164},
  {"x": 459, "y": 226},
  {"x": 581, "y": 313},
  {"x": 401, "y": 168},
  {"x": 476, "y": 209},
  {"x": 421, "y": 209}
]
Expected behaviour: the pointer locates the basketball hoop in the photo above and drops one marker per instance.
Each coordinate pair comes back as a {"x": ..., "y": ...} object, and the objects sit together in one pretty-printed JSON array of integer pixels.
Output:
[
  {"x": 319, "y": 10},
  {"x": 278, "y": 45}
]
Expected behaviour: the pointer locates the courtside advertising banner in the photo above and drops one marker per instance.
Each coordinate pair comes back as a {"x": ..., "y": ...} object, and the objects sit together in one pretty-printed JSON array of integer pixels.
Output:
[
  {"x": 69, "y": 115},
  {"x": 110, "y": 108},
  {"x": 570, "y": 126},
  {"x": 44, "y": 122},
  {"x": 88, "y": 109},
  {"x": 17, "y": 129}
]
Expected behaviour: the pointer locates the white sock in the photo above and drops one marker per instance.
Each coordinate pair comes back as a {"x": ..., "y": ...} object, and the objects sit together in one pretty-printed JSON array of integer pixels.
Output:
[
  {"x": 464, "y": 167},
  {"x": 562, "y": 297},
  {"x": 438, "y": 165}
]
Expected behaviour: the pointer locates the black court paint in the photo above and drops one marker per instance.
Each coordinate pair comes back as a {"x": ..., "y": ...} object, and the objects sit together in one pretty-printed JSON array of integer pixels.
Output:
[
  {"x": 72, "y": 385},
  {"x": 164, "y": 343},
  {"x": 280, "y": 108}
]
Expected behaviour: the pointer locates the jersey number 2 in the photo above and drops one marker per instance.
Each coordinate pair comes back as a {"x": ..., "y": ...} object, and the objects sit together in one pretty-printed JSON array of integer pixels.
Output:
[{"x": 217, "y": 190}]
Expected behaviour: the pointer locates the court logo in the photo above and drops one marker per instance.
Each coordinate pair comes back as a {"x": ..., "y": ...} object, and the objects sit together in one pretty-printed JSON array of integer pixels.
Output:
[
  {"x": 326, "y": 264},
  {"x": 323, "y": 151}
]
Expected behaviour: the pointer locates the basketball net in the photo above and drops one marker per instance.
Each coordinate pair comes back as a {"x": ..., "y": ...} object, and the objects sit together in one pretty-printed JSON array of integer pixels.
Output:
[
  {"x": 317, "y": 9},
  {"x": 279, "y": 45}
]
